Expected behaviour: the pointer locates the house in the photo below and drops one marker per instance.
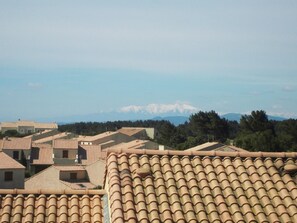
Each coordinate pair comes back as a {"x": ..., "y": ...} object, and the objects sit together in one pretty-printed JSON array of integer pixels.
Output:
[
  {"x": 17, "y": 148},
  {"x": 138, "y": 133},
  {"x": 65, "y": 151},
  {"x": 64, "y": 177},
  {"x": 12, "y": 173},
  {"x": 41, "y": 157},
  {"x": 136, "y": 144},
  {"x": 89, "y": 154},
  {"x": 203, "y": 186},
  {"x": 51, "y": 206},
  {"x": 61, "y": 178},
  {"x": 48, "y": 138},
  {"x": 170, "y": 186},
  {"x": 216, "y": 146},
  {"x": 26, "y": 127},
  {"x": 105, "y": 139}
]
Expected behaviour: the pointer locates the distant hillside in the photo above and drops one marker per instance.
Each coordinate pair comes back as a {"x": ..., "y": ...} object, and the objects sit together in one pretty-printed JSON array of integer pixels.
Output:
[{"x": 237, "y": 116}]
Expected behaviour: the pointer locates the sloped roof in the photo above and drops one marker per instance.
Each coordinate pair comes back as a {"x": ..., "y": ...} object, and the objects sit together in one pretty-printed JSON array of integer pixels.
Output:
[
  {"x": 8, "y": 125},
  {"x": 40, "y": 125},
  {"x": 91, "y": 153},
  {"x": 51, "y": 206},
  {"x": 135, "y": 144},
  {"x": 130, "y": 131},
  {"x": 70, "y": 167},
  {"x": 8, "y": 163},
  {"x": 211, "y": 186},
  {"x": 17, "y": 143},
  {"x": 41, "y": 154},
  {"x": 95, "y": 137},
  {"x": 28, "y": 123},
  {"x": 53, "y": 137},
  {"x": 65, "y": 144},
  {"x": 216, "y": 146},
  {"x": 78, "y": 185}
]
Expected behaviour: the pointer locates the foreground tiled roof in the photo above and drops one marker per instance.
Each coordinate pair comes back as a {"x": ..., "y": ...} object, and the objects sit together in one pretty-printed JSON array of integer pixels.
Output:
[
  {"x": 51, "y": 206},
  {"x": 212, "y": 186}
]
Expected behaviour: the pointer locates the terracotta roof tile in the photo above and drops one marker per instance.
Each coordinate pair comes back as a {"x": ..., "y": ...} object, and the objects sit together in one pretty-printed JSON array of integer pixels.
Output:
[
  {"x": 216, "y": 186},
  {"x": 51, "y": 206}
]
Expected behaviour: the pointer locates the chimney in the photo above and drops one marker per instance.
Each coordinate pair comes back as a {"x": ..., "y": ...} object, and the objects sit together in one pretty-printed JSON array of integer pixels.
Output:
[{"x": 161, "y": 147}]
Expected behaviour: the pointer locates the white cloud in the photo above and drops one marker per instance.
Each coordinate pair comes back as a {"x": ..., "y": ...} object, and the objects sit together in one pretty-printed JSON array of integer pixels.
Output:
[{"x": 160, "y": 108}]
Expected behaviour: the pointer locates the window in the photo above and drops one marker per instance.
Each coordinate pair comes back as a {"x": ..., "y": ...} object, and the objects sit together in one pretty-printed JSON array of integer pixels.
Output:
[
  {"x": 8, "y": 176},
  {"x": 65, "y": 153},
  {"x": 73, "y": 176},
  {"x": 15, "y": 155}
]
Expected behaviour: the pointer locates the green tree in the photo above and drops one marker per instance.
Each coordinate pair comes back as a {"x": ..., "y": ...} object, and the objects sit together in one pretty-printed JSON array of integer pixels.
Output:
[
  {"x": 208, "y": 126},
  {"x": 286, "y": 132},
  {"x": 256, "y": 133}
]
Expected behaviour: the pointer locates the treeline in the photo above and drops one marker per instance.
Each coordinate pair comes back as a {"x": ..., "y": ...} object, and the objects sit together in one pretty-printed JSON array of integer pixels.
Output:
[{"x": 254, "y": 132}]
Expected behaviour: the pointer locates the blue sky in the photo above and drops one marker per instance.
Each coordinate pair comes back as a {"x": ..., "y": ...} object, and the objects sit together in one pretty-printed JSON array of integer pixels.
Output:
[{"x": 61, "y": 58}]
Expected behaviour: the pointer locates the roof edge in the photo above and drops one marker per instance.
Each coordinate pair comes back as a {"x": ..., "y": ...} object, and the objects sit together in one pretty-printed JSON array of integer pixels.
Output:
[
  {"x": 203, "y": 153},
  {"x": 52, "y": 191}
]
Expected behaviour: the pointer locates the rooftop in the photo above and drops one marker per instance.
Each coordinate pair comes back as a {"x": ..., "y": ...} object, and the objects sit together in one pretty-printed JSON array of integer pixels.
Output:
[
  {"x": 65, "y": 144},
  {"x": 135, "y": 144},
  {"x": 42, "y": 154},
  {"x": 91, "y": 153},
  {"x": 28, "y": 123},
  {"x": 95, "y": 137},
  {"x": 8, "y": 163},
  {"x": 216, "y": 146},
  {"x": 210, "y": 186},
  {"x": 16, "y": 143},
  {"x": 130, "y": 131},
  {"x": 51, "y": 138},
  {"x": 51, "y": 206}
]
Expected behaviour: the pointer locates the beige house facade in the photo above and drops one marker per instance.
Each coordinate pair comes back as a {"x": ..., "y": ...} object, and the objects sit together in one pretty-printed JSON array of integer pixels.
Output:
[
  {"x": 12, "y": 173},
  {"x": 26, "y": 127},
  {"x": 65, "y": 151},
  {"x": 17, "y": 148}
]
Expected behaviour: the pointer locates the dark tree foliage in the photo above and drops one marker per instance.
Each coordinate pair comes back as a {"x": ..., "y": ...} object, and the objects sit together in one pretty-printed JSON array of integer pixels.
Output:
[
  {"x": 11, "y": 133},
  {"x": 286, "y": 132},
  {"x": 257, "y": 133},
  {"x": 208, "y": 126},
  {"x": 254, "y": 132}
]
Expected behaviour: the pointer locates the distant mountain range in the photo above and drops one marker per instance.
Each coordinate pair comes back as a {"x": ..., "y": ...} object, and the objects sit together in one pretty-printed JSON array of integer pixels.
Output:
[{"x": 174, "y": 118}]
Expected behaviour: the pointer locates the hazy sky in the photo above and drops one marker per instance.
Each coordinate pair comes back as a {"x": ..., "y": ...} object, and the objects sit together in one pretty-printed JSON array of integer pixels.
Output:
[{"x": 60, "y": 58}]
